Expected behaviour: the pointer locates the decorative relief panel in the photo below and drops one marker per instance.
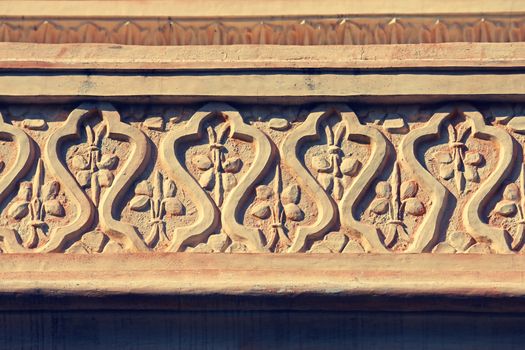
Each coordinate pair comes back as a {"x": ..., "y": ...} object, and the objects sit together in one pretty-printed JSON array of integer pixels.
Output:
[{"x": 103, "y": 178}]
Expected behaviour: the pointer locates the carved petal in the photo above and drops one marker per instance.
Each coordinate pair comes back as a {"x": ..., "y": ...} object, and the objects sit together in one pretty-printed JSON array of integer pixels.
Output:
[
  {"x": 320, "y": 164},
  {"x": 511, "y": 192},
  {"x": 105, "y": 177},
  {"x": 444, "y": 248},
  {"x": 350, "y": 166},
  {"x": 144, "y": 188},
  {"x": 79, "y": 162},
  {"x": 517, "y": 124},
  {"x": 473, "y": 158},
  {"x": 443, "y": 157},
  {"x": 25, "y": 191},
  {"x": 379, "y": 206},
  {"x": 50, "y": 190},
  {"x": 408, "y": 189},
  {"x": 293, "y": 212},
  {"x": 229, "y": 181},
  {"x": 202, "y": 162},
  {"x": 264, "y": 192},
  {"x": 325, "y": 180},
  {"x": 53, "y": 207},
  {"x": 206, "y": 179},
  {"x": 232, "y": 165},
  {"x": 506, "y": 208},
  {"x": 471, "y": 173},
  {"x": 383, "y": 189},
  {"x": 83, "y": 178},
  {"x": 291, "y": 194},
  {"x": 18, "y": 210},
  {"x": 261, "y": 211},
  {"x": 139, "y": 203},
  {"x": 446, "y": 171},
  {"x": 174, "y": 206},
  {"x": 169, "y": 188},
  {"x": 108, "y": 161},
  {"x": 413, "y": 206}
]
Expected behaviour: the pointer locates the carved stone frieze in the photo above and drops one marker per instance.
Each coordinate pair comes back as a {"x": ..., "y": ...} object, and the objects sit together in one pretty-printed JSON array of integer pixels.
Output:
[
  {"x": 305, "y": 30},
  {"x": 217, "y": 178}
]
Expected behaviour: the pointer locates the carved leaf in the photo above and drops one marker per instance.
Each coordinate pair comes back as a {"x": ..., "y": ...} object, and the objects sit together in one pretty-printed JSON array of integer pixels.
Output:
[
  {"x": 291, "y": 194},
  {"x": 202, "y": 162},
  {"x": 446, "y": 171},
  {"x": 321, "y": 164},
  {"x": 105, "y": 178},
  {"x": 511, "y": 192},
  {"x": 139, "y": 203},
  {"x": 408, "y": 189},
  {"x": 50, "y": 190},
  {"x": 443, "y": 157},
  {"x": 170, "y": 190},
  {"x": 325, "y": 180},
  {"x": 473, "y": 158},
  {"x": 84, "y": 178},
  {"x": 54, "y": 207},
  {"x": 18, "y": 210},
  {"x": 350, "y": 166},
  {"x": 471, "y": 173},
  {"x": 261, "y": 211},
  {"x": 232, "y": 165},
  {"x": 108, "y": 161},
  {"x": 383, "y": 189},
  {"x": 293, "y": 212},
  {"x": 379, "y": 206},
  {"x": 144, "y": 188},
  {"x": 414, "y": 206},
  {"x": 174, "y": 206},
  {"x": 79, "y": 162},
  {"x": 229, "y": 181},
  {"x": 264, "y": 192},
  {"x": 207, "y": 179},
  {"x": 506, "y": 208}
]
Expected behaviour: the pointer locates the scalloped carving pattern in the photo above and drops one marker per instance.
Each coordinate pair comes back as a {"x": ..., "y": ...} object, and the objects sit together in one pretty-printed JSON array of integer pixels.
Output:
[
  {"x": 287, "y": 31},
  {"x": 214, "y": 178}
]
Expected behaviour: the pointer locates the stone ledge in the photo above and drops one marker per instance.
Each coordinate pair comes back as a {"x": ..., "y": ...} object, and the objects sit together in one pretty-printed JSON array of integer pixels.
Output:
[
  {"x": 347, "y": 279},
  {"x": 102, "y": 57}
]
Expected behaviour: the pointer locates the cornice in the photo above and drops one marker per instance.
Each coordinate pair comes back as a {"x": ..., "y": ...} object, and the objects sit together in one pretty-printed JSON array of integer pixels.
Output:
[{"x": 279, "y": 23}]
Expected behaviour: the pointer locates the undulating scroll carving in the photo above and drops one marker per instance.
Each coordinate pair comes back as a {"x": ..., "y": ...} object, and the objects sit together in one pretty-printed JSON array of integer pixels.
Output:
[{"x": 213, "y": 178}]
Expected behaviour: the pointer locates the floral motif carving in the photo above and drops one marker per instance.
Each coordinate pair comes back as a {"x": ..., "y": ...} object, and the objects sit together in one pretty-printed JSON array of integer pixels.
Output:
[
  {"x": 211, "y": 181},
  {"x": 92, "y": 168},
  {"x": 158, "y": 197},
  {"x": 34, "y": 201},
  {"x": 278, "y": 205},
  {"x": 395, "y": 200},
  {"x": 332, "y": 168}
]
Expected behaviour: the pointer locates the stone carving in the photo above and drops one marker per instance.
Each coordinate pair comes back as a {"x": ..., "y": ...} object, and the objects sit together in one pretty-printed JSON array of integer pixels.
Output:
[
  {"x": 360, "y": 30},
  {"x": 396, "y": 200},
  {"x": 215, "y": 179}
]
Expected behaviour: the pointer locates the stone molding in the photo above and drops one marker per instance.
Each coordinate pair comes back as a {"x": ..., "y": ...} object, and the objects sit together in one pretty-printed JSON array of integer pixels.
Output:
[
  {"x": 233, "y": 23},
  {"x": 366, "y": 169}
]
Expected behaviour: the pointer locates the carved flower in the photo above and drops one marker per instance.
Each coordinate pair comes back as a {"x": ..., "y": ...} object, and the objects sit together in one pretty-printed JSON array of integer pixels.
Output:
[
  {"x": 409, "y": 204},
  {"x": 332, "y": 167}
]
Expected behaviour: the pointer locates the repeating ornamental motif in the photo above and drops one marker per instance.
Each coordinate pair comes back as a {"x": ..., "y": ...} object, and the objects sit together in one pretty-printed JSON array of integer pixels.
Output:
[{"x": 125, "y": 178}]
